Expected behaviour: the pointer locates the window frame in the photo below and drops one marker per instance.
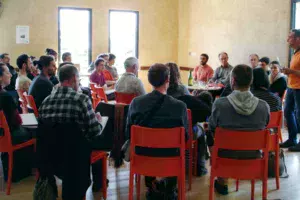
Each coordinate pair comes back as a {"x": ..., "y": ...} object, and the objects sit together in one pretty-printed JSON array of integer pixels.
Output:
[
  {"x": 90, "y": 30},
  {"x": 293, "y": 23},
  {"x": 137, "y": 28}
]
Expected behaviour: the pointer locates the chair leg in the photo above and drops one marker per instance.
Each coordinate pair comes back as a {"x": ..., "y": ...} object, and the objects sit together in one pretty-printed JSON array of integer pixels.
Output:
[
  {"x": 190, "y": 168},
  {"x": 10, "y": 169},
  {"x": 265, "y": 188},
  {"x": 138, "y": 186},
  {"x": 211, "y": 188},
  {"x": 237, "y": 185},
  {"x": 130, "y": 185},
  {"x": 104, "y": 177},
  {"x": 252, "y": 189}
]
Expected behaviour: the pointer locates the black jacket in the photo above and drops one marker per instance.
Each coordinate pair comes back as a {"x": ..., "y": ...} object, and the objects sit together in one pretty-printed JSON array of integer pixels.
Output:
[{"x": 279, "y": 86}]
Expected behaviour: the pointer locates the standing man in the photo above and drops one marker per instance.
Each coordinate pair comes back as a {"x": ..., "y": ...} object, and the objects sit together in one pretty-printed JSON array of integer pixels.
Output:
[
  {"x": 292, "y": 101},
  {"x": 254, "y": 59},
  {"x": 203, "y": 72},
  {"x": 11, "y": 88},
  {"x": 222, "y": 73}
]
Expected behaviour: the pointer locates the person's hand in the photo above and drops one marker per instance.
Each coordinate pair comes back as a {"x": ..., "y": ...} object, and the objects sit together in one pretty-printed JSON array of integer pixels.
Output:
[
  {"x": 287, "y": 71},
  {"x": 98, "y": 116}
]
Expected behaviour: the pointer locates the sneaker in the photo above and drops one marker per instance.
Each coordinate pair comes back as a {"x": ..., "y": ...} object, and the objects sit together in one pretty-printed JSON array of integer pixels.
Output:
[
  {"x": 221, "y": 189},
  {"x": 295, "y": 148},
  {"x": 287, "y": 144}
]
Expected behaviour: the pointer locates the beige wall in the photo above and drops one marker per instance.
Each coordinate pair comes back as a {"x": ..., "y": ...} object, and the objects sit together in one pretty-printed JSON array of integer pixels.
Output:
[
  {"x": 158, "y": 28},
  {"x": 239, "y": 27}
]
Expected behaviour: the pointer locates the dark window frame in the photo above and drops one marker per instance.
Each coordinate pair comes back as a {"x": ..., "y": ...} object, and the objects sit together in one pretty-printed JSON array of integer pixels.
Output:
[
  {"x": 90, "y": 30},
  {"x": 137, "y": 29},
  {"x": 293, "y": 22}
]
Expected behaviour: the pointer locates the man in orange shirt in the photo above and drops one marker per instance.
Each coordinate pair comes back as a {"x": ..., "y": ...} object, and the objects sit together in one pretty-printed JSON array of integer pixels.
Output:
[
  {"x": 203, "y": 72},
  {"x": 292, "y": 101}
]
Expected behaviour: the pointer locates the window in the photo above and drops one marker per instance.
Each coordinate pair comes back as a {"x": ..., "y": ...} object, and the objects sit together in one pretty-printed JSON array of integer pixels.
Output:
[
  {"x": 295, "y": 19},
  {"x": 75, "y": 35},
  {"x": 123, "y": 36}
]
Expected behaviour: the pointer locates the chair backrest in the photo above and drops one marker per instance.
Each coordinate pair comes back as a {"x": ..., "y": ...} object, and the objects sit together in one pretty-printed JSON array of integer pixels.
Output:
[
  {"x": 92, "y": 86},
  {"x": 31, "y": 103},
  {"x": 275, "y": 119},
  {"x": 101, "y": 94},
  {"x": 244, "y": 141},
  {"x": 5, "y": 139},
  {"x": 124, "y": 98},
  {"x": 157, "y": 138}
]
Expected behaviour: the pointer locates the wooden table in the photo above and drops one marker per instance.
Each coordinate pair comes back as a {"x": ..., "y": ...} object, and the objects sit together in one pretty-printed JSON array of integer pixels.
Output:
[{"x": 198, "y": 87}]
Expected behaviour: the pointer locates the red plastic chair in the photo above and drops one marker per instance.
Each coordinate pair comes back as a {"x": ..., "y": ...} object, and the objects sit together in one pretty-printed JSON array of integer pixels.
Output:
[
  {"x": 22, "y": 101},
  {"x": 240, "y": 169},
  {"x": 275, "y": 122},
  {"x": 101, "y": 155},
  {"x": 31, "y": 104},
  {"x": 124, "y": 98},
  {"x": 189, "y": 147},
  {"x": 157, "y": 166},
  {"x": 101, "y": 94},
  {"x": 7, "y": 146}
]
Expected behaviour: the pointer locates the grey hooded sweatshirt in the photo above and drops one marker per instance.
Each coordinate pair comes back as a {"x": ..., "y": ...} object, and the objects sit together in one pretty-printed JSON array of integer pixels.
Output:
[{"x": 239, "y": 111}]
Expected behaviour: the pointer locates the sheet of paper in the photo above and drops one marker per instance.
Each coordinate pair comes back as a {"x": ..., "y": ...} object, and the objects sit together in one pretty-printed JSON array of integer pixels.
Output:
[
  {"x": 22, "y": 35},
  {"x": 28, "y": 119},
  {"x": 103, "y": 122},
  {"x": 109, "y": 91}
]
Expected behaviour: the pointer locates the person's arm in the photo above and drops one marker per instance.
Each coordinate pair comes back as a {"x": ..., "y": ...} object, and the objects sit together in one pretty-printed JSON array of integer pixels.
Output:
[
  {"x": 213, "y": 120},
  {"x": 289, "y": 71},
  {"x": 195, "y": 72},
  {"x": 215, "y": 76},
  {"x": 210, "y": 74},
  {"x": 91, "y": 123},
  {"x": 140, "y": 88}
]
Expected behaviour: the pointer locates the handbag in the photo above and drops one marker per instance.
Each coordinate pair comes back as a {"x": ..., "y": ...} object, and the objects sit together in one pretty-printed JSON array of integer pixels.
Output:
[
  {"x": 282, "y": 167},
  {"x": 142, "y": 121}
]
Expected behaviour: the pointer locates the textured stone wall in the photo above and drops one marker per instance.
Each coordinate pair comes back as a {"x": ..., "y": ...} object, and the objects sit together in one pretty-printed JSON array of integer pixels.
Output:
[
  {"x": 158, "y": 26},
  {"x": 239, "y": 27}
]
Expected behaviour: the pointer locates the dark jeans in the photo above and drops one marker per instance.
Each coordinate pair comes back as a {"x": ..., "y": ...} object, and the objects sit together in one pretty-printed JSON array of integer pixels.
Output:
[{"x": 291, "y": 112}]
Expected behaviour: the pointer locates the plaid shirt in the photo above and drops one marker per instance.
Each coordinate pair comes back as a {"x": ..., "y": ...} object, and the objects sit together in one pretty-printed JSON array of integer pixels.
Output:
[{"x": 66, "y": 105}]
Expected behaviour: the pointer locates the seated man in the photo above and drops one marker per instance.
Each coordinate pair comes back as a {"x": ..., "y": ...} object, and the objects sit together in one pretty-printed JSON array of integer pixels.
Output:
[
  {"x": 129, "y": 82},
  {"x": 222, "y": 73},
  {"x": 203, "y": 72},
  {"x": 158, "y": 110},
  {"x": 65, "y": 105},
  {"x": 239, "y": 111},
  {"x": 97, "y": 76}
]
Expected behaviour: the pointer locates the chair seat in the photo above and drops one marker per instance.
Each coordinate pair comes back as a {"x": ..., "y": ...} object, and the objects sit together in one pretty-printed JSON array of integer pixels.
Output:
[
  {"x": 97, "y": 155},
  {"x": 25, "y": 144}
]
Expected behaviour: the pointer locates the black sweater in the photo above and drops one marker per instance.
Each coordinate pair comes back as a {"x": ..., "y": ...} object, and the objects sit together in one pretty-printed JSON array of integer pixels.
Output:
[{"x": 279, "y": 86}]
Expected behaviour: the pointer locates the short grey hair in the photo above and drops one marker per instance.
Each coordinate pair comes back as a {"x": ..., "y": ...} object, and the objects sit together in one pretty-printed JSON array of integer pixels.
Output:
[
  {"x": 129, "y": 62},
  {"x": 66, "y": 72}
]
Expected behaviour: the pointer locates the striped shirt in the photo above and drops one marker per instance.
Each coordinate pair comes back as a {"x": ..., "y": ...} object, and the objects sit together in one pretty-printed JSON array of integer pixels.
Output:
[
  {"x": 65, "y": 105},
  {"x": 272, "y": 100}
]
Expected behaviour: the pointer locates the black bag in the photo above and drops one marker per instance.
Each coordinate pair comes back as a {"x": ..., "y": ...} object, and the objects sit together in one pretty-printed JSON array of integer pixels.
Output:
[
  {"x": 45, "y": 189},
  {"x": 22, "y": 163},
  {"x": 282, "y": 167}
]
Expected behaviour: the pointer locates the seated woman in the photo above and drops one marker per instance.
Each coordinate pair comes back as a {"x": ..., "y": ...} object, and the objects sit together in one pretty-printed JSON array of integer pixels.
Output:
[
  {"x": 18, "y": 133},
  {"x": 277, "y": 80},
  {"x": 176, "y": 89},
  {"x": 260, "y": 89}
]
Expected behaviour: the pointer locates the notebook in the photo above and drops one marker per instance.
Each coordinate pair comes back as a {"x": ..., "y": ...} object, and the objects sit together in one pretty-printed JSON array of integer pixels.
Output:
[
  {"x": 103, "y": 122},
  {"x": 29, "y": 119}
]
